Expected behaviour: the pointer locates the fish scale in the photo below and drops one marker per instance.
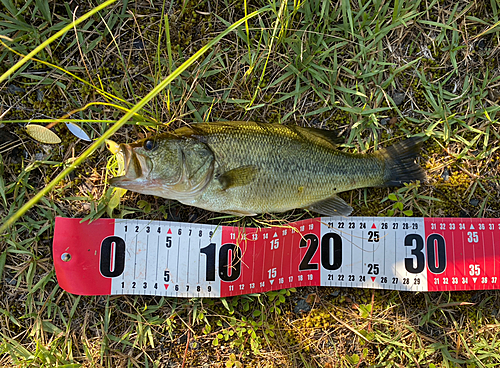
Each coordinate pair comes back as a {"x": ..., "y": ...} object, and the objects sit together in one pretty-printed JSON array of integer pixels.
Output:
[
  {"x": 286, "y": 169},
  {"x": 246, "y": 168}
]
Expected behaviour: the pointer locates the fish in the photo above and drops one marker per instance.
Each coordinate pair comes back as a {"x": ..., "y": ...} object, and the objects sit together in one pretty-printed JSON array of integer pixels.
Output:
[{"x": 248, "y": 168}]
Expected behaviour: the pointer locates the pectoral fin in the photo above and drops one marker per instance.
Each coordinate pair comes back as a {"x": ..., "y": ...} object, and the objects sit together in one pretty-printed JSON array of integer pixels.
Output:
[
  {"x": 238, "y": 177},
  {"x": 334, "y": 206}
]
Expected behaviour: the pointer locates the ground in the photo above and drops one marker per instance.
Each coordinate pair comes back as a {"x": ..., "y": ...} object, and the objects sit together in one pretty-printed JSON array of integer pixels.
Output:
[{"x": 376, "y": 71}]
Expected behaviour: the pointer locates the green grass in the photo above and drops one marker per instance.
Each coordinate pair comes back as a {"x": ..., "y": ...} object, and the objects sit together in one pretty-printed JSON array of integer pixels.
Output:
[{"x": 137, "y": 68}]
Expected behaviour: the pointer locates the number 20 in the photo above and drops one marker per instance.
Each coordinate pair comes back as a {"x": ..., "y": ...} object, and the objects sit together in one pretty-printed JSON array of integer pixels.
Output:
[{"x": 331, "y": 251}]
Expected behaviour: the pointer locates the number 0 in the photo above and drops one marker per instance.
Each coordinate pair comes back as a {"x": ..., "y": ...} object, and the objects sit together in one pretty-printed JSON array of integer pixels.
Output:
[
  {"x": 112, "y": 261},
  {"x": 229, "y": 267}
]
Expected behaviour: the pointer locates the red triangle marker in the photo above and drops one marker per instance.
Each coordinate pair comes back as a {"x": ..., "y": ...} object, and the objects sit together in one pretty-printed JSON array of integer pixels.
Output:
[
  {"x": 166, "y": 286},
  {"x": 373, "y": 226},
  {"x": 373, "y": 278},
  {"x": 169, "y": 231}
]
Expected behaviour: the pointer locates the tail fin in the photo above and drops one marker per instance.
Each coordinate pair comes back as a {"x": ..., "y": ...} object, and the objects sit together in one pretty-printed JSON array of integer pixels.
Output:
[{"x": 400, "y": 166}]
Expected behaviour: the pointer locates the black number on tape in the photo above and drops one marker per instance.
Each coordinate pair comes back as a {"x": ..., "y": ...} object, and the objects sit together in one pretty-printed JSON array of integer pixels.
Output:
[
  {"x": 436, "y": 244},
  {"x": 410, "y": 240},
  {"x": 112, "y": 261},
  {"x": 436, "y": 253},
  {"x": 331, "y": 245},
  {"x": 312, "y": 239},
  {"x": 373, "y": 268},
  {"x": 228, "y": 271},
  {"x": 373, "y": 236},
  {"x": 209, "y": 251},
  {"x": 326, "y": 251}
]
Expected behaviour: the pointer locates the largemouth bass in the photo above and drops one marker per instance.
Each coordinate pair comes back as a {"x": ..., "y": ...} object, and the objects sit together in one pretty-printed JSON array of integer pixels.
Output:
[{"x": 246, "y": 168}]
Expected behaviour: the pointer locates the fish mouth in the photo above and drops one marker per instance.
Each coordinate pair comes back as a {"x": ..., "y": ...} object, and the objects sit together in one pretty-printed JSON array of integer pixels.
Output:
[{"x": 132, "y": 166}]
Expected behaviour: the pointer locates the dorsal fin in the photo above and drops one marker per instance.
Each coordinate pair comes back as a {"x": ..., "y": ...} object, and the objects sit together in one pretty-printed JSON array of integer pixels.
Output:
[{"x": 331, "y": 136}]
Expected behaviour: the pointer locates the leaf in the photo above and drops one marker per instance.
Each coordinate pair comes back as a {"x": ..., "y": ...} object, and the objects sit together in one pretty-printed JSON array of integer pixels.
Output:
[
  {"x": 78, "y": 132},
  {"x": 144, "y": 205},
  {"x": 365, "y": 310},
  {"x": 354, "y": 359},
  {"x": 51, "y": 328},
  {"x": 408, "y": 213},
  {"x": 225, "y": 304},
  {"x": 44, "y": 8},
  {"x": 3, "y": 258},
  {"x": 115, "y": 200},
  {"x": 392, "y": 197},
  {"x": 42, "y": 134}
]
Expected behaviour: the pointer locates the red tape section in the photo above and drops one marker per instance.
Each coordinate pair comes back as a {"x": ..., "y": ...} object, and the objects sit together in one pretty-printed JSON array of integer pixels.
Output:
[
  {"x": 76, "y": 251},
  {"x": 462, "y": 253},
  {"x": 258, "y": 260}
]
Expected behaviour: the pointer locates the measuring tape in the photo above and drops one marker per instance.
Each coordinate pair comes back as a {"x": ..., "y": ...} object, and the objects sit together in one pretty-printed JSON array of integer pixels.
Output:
[{"x": 177, "y": 259}]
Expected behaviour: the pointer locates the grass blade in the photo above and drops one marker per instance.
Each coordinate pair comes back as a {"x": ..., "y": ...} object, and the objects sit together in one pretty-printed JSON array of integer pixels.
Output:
[{"x": 11, "y": 220}]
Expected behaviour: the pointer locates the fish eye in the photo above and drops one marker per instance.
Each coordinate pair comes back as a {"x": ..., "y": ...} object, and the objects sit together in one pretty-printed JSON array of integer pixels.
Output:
[{"x": 149, "y": 145}]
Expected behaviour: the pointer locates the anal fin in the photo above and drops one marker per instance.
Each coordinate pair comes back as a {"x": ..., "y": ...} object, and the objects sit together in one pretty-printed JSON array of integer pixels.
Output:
[{"x": 334, "y": 206}]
